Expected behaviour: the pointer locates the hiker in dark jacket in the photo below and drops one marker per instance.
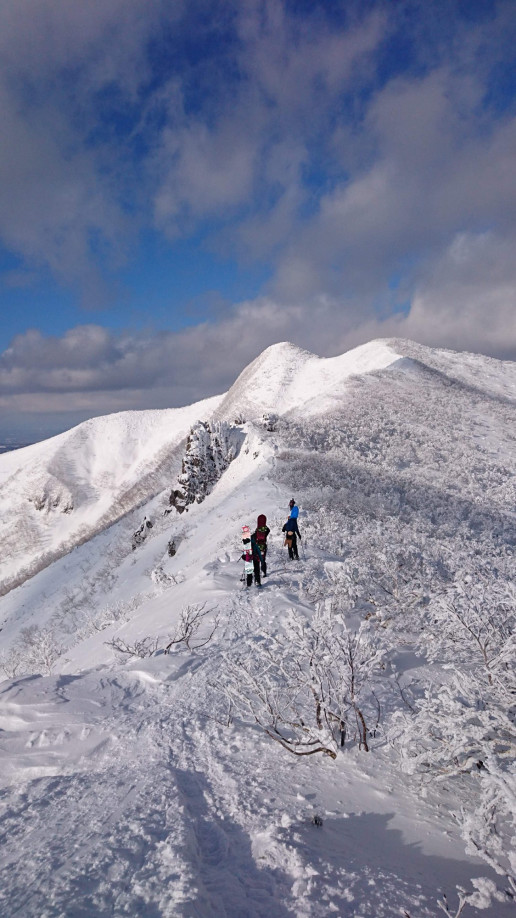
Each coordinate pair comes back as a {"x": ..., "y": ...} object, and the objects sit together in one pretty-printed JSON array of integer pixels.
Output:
[
  {"x": 260, "y": 536},
  {"x": 291, "y": 530}
]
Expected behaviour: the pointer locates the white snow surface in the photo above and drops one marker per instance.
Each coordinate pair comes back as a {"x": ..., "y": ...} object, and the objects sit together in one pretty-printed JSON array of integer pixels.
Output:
[
  {"x": 67, "y": 488},
  {"x": 287, "y": 378},
  {"x": 129, "y": 786}
]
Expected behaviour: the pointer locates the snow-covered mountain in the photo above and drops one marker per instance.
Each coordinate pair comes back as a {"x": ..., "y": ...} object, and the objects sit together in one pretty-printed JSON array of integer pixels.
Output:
[
  {"x": 57, "y": 494},
  {"x": 286, "y": 378},
  {"x": 139, "y": 782}
]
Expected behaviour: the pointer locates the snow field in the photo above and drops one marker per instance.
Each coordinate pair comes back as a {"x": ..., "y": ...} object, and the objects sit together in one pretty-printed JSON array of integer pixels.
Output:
[
  {"x": 58, "y": 494},
  {"x": 183, "y": 804},
  {"x": 130, "y": 786}
]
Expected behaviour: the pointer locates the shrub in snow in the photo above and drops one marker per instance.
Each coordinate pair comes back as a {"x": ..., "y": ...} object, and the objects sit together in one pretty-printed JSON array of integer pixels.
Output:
[
  {"x": 162, "y": 579},
  {"x": 13, "y": 662},
  {"x": 110, "y": 614},
  {"x": 312, "y": 689},
  {"x": 54, "y": 497},
  {"x": 143, "y": 647},
  {"x": 482, "y": 896},
  {"x": 270, "y": 421},
  {"x": 427, "y": 558},
  {"x": 464, "y": 726},
  {"x": 36, "y": 651},
  {"x": 189, "y": 631},
  {"x": 141, "y": 533}
]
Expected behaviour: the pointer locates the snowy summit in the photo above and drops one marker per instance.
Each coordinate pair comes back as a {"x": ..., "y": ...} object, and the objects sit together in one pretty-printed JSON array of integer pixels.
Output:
[{"x": 339, "y": 741}]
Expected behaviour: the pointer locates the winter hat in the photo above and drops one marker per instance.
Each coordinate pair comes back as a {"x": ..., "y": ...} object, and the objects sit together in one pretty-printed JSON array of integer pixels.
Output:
[{"x": 262, "y": 520}]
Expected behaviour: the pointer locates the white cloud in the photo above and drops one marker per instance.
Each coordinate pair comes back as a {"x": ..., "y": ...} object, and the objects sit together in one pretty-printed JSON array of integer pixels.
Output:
[
  {"x": 465, "y": 300},
  {"x": 90, "y": 368},
  {"x": 363, "y": 196},
  {"x": 60, "y": 190},
  {"x": 247, "y": 146},
  {"x": 380, "y": 239},
  {"x": 468, "y": 300},
  {"x": 206, "y": 172}
]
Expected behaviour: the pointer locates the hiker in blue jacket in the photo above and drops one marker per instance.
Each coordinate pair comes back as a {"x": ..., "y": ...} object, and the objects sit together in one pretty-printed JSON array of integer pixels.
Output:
[
  {"x": 291, "y": 530},
  {"x": 294, "y": 509}
]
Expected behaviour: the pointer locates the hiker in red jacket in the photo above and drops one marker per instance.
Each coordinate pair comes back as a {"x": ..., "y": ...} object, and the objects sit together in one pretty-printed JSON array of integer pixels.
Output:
[{"x": 260, "y": 536}]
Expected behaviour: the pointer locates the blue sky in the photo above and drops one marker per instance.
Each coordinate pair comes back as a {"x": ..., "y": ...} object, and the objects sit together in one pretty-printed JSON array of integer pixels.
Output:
[{"x": 185, "y": 182}]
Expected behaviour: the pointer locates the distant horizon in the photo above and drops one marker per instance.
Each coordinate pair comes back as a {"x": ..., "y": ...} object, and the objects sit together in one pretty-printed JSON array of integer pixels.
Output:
[
  {"x": 15, "y": 445},
  {"x": 16, "y": 436}
]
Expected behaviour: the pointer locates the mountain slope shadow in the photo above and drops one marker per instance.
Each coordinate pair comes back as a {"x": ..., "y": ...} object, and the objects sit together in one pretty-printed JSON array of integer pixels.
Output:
[
  {"x": 383, "y": 875},
  {"x": 229, "y": 883}
]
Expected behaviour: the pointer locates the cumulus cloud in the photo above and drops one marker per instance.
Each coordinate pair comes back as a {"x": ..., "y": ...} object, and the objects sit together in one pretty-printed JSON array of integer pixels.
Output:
[
  {"x": 465, "y": 301},
  {"x": 92, "y": 369},
  {"x": 432, "y": 175},
  {"x": 61, "y": 180},
  {"x": 381, "y": 197},
  {"x": 248, "y": 144},
  {"x": 468, "y": 300}
]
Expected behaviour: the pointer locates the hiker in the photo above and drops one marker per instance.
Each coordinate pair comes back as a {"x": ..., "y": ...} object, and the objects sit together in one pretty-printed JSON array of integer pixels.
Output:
[
  {"x": 294, "y": 509},
  {"x": 291, "y": 530},
  {"x": 251, "y": 556},
  {"x": 260, "y": 536}
]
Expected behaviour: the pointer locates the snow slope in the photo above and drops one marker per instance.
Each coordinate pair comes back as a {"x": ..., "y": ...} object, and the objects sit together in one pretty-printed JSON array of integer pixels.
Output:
[
  {"x": 138, "y": 786},
  {"x": 57, "y": 494},
  {"x": 285, "y": 378}
]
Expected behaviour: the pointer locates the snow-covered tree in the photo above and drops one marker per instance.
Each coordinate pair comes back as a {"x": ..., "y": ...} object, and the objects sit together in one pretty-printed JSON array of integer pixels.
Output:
[
  {"x": 141, "y": 533},
  {"x": 312, "y": 688},
  {"x": 36, "y": 651},
  {"x": 464, "y": 726}
]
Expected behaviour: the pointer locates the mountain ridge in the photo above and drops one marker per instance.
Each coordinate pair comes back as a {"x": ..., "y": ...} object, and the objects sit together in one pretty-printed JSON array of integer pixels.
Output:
[
  {"x": 69, "y": 487},
  {"x": 152, "y": 779},
  {"x": 102, "y": 463}
]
